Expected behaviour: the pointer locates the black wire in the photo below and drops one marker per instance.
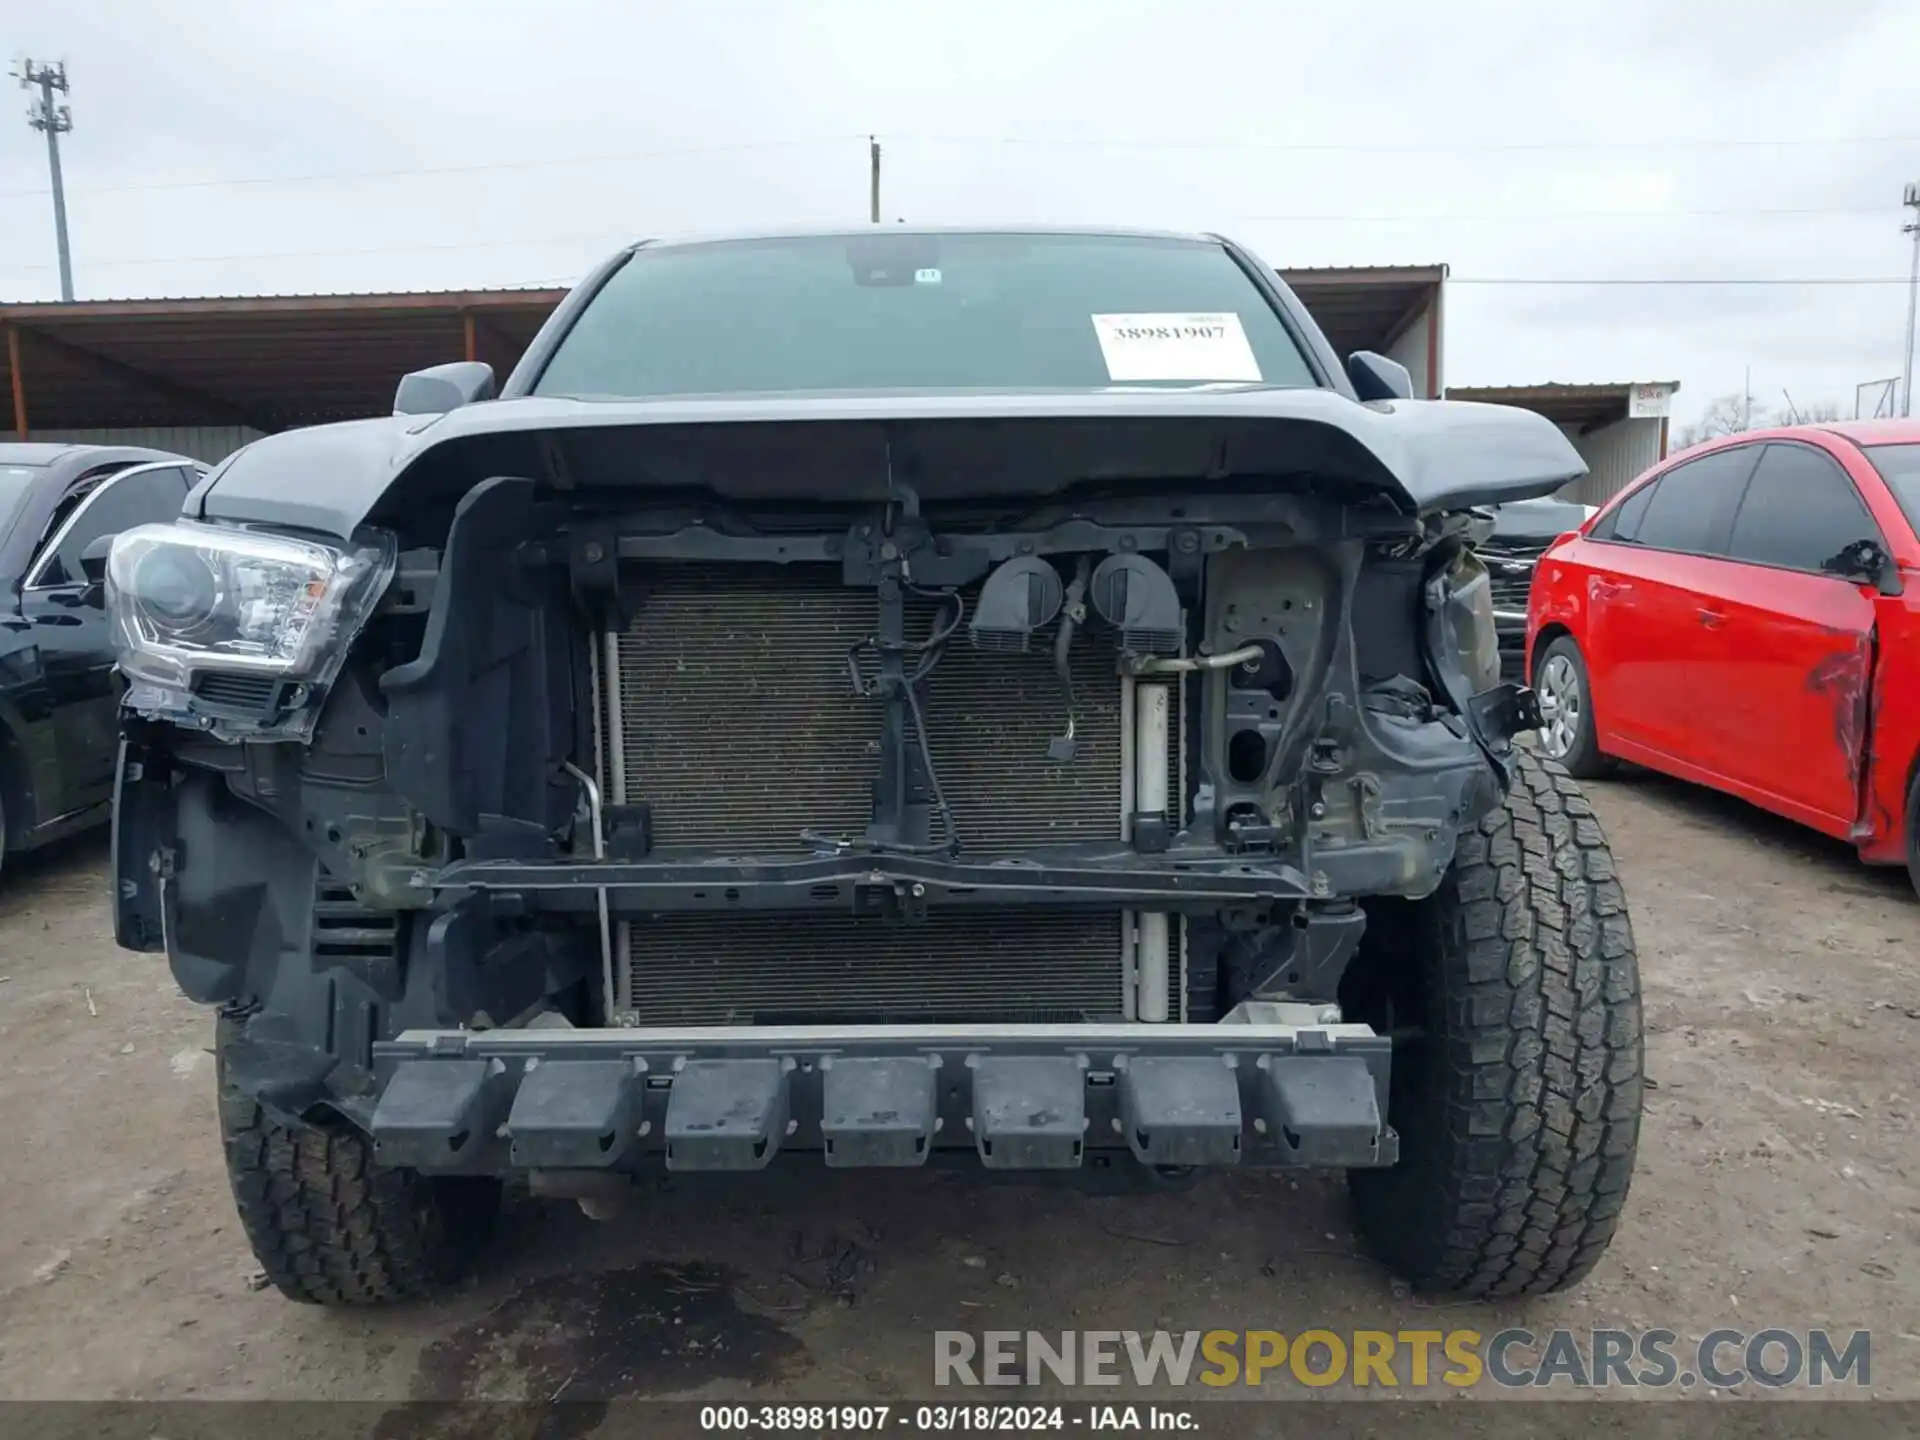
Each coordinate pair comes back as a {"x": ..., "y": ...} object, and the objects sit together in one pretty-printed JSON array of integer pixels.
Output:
[
  {"x": 952, "y": 843},
  {"x": 930, "y": 650}
]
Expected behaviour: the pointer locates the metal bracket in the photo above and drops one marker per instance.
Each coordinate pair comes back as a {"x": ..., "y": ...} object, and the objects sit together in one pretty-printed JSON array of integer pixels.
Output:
[
  {"x": 1181, "y": 1111},
  {"x": 1322, "y": 1108},
  {"x": 574, "y": 1114},
  {"x": 727, "y": 1114},
  {"x": 1504, "y": 711},
  {"x": 437, "y": 1113},
  {"x": 877, "y": 1111},
  {"x": 898, "y": 902},
  {"x": 1029, "y": 1111}
]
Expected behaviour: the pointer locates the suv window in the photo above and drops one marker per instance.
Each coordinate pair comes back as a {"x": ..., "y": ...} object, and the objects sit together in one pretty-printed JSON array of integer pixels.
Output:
[
  {"x": 1692, "y": 507},
  {"x": 1800, "y": 511},
  {"x": 120, "y": 502},
  {"x": 922, "y": 311}
]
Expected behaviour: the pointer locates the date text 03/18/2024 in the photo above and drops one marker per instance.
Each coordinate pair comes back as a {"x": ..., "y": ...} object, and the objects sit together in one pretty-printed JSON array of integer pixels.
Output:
[{"x": 946, "y": 1418}]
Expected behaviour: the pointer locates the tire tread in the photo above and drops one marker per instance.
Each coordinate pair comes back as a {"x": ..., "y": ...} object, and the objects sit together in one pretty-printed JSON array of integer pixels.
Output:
[{"x": 1534, "y": 1052}]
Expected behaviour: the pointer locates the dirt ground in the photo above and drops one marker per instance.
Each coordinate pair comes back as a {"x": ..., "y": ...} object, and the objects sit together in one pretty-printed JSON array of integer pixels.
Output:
[{"x": 1779, "y": 1183}]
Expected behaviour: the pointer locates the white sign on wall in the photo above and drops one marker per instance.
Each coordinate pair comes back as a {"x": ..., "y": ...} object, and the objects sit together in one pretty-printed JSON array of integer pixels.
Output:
[{"x": 1649, "y": 402}]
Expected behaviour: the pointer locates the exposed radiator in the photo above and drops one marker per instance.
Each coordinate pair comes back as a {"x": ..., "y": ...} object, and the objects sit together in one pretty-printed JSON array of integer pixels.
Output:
[
  {"x": 971, "y": 965},
  {"x": 739, "y": 729}
]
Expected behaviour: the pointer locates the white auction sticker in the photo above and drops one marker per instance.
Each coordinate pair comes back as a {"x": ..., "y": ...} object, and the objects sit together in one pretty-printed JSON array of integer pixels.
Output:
[{"x": 1175, "y": 347}]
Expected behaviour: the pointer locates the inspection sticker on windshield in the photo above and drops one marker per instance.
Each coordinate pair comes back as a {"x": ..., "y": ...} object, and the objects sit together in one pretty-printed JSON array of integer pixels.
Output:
[{"x": 1175, "y": 347}]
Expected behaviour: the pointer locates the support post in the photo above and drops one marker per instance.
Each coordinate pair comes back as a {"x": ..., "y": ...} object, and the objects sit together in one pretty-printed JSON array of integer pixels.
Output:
[{"x": 19, "y": 382}]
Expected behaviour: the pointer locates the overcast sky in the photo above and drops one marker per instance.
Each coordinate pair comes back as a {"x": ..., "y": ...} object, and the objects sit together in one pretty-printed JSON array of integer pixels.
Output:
[{"x": 234, "y": 147}]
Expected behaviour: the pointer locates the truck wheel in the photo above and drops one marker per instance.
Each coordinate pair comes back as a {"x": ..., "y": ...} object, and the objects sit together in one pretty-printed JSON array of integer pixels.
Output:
[
  {"x": 1517, "y": 1100},
  {"x": 331, "y": 1227},
  {"x": 1565, "y": 692}
]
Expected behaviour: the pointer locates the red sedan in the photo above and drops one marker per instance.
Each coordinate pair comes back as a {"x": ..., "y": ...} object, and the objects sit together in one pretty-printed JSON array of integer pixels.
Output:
[{"x": 1747, "y": 616}]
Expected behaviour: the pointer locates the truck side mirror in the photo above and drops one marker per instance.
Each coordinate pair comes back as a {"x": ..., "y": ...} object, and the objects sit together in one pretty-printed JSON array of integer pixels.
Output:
[
  {"x": 440, "y": 388},
  {"x": 1377, "y": 378}
]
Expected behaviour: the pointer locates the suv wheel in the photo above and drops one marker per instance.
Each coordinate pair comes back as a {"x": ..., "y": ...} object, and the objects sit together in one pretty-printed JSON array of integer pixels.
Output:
[
  {"x": 1517, "y": 1101},
  {"x": 327, "y": 1224},
  {"x": 1566, "y": 710}
]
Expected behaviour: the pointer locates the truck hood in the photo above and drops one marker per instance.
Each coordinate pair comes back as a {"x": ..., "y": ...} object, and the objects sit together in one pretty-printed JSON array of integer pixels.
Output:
[{"x": 1419, "y": 454}]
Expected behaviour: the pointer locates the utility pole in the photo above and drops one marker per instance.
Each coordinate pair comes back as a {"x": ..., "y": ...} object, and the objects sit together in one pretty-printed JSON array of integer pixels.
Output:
[
  {"x": 1912, "y": 201},
  {"x": 873, "y": 158},
  {"x": 54, "y": 120},
  {"x": 1746, "y": 400}
]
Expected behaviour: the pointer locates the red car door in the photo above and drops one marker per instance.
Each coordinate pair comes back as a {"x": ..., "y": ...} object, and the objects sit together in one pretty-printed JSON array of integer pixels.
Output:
[
  {"x": 1785, "y": 690},
  {"x": 1644, "y": 640}
]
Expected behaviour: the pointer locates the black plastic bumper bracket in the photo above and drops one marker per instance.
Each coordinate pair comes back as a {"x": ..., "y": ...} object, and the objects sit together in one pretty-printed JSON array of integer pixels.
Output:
[
  {"x": 1029, "y": 1111},
  {"x": 1181, "y": 1111},
  {"x": 574, "y": 1114},
  {"x": 726, "y": 1114},
  {"x": 1322, "y": 1107},
  {"x": 435, "y": 1113},
  {"x": 877, "y": 1112}
]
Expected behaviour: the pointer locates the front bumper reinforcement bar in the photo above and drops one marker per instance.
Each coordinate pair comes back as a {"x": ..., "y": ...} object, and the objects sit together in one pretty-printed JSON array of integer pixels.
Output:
[
  {"x": 1283, "y": 1091},
  {"x": 838, "y": 881}
]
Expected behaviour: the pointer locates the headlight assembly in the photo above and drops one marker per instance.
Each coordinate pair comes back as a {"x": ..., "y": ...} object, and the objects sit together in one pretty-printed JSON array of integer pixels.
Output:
[{"x": 238, "y": 631}]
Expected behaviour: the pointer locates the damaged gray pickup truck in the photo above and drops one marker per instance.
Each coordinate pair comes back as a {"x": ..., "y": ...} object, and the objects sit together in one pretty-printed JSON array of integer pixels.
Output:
[{"x": 1011, "y": 699}]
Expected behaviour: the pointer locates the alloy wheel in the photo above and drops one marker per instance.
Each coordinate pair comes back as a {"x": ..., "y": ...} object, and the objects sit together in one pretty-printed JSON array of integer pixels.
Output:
[{"x": 1559, "y": 694}]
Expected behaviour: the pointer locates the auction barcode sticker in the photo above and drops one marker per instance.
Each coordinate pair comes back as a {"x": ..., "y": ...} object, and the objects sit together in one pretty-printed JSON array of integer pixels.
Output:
[{"x": 1175, "y": 347}]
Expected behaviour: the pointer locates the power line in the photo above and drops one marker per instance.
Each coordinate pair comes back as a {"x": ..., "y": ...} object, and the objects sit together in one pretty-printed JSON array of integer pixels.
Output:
[
  {"x": 412, "y": 172},
  {"x": 1413, "y": 147},
  {"x": 1683, "y": 280},
  {"x": 1428, "y": 217},
  {"x": 623, "y": 236},
  {"x": 1071, "y": 142}
]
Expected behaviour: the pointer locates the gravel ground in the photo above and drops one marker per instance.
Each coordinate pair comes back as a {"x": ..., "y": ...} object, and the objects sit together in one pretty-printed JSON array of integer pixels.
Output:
[{"x": 1777, "y": 1186}]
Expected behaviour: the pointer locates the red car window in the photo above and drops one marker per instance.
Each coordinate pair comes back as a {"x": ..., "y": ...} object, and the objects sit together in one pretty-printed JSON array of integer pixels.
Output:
[
  {"x": 1800, "y": 511},
  {"x": 1692, "y": 508}
]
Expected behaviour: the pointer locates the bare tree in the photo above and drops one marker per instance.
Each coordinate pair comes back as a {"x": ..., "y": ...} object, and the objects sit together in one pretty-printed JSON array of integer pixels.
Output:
[
  {"x": 1724, "y": 415},
  {"x": 1817, "y": 412}
]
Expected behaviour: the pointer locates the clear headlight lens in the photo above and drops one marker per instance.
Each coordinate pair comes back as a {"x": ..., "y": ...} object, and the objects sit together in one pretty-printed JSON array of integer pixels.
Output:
[{"x": 187, "y": 600}]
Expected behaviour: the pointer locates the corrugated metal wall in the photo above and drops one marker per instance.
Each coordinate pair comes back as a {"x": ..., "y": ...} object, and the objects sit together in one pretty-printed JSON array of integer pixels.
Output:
[
  {"x": 202, "y": 442},
  {"x": 1411, "y": 351},
  {"x": 1615, "y": 454}
]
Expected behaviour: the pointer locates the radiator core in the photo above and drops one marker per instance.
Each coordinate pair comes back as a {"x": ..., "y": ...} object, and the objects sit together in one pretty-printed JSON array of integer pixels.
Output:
[{"x": 740, "y": 730}]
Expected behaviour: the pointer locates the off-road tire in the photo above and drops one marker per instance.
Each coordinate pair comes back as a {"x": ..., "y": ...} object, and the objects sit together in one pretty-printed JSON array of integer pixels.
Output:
[
  {"x": 1517, "y": 1099},
  {"x": 1584, "y": 759},
  {"x": 331, "y": 1227}
]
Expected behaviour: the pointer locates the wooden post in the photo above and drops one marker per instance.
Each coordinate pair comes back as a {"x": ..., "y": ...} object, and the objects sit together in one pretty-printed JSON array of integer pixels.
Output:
[{"x": 19, "y": 382}]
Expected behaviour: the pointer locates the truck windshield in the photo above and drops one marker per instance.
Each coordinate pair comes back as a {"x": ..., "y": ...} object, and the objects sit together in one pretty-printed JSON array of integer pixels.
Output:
[{"x": 913, "y": 311}]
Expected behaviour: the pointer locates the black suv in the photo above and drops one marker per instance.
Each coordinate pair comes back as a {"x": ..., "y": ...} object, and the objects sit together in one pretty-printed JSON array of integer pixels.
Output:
[
  {"x": 877, "y": 699},
  {"x": 59, "y": 720},
  {"x": 1522, "y": 531}
]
